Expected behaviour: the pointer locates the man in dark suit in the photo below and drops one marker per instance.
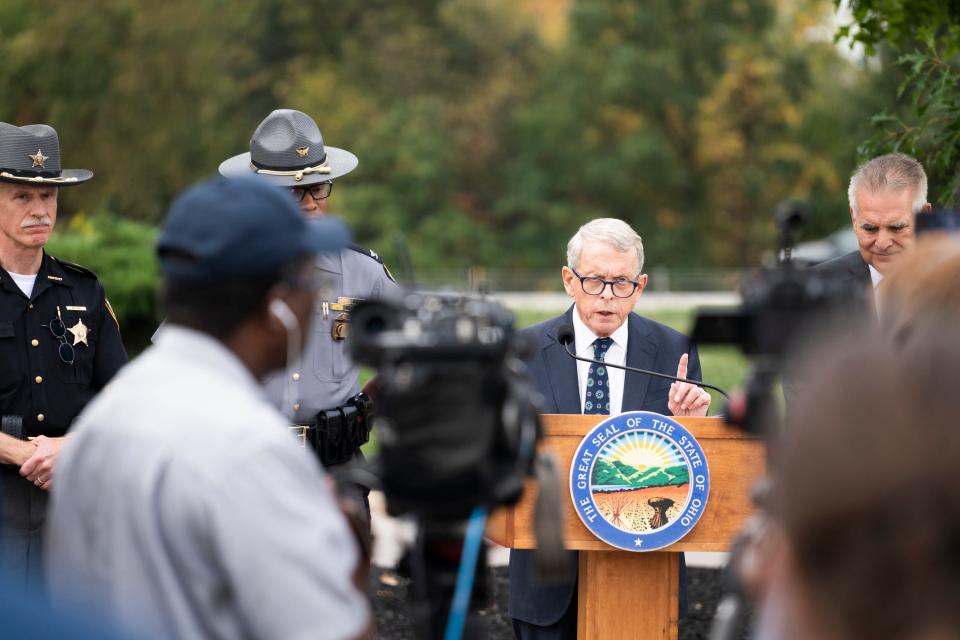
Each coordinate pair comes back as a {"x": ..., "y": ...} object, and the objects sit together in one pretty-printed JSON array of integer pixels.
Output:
[
  {"x": 604, "y": 276},
  {"x": 885, "y": 195}
]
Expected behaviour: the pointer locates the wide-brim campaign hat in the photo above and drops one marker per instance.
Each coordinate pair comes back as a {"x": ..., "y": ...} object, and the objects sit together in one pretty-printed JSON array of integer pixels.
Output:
[
  {"x": 31, "y": 155},
  {"x": 287, "y": 150}
]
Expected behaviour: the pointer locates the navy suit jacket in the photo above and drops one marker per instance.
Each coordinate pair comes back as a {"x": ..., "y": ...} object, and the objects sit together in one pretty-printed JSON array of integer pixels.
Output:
[{"x": 650, "y": 345}]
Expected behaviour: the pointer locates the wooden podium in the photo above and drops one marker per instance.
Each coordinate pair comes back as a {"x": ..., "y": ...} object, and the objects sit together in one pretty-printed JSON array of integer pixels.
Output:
[{"x": 622, "y": 594}]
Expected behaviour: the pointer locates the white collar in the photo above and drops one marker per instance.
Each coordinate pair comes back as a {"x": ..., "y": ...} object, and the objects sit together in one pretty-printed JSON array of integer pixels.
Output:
[
  {"x": 585, "y": 337},
  {"x": 875, "y": 276}
]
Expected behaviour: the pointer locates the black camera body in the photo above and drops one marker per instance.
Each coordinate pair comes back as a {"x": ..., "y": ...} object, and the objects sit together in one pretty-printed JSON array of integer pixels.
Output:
[
  {"x": 784, "y": 306},
  {"x": 781, "y": 305},
  {"x": 456, "y": 421}
]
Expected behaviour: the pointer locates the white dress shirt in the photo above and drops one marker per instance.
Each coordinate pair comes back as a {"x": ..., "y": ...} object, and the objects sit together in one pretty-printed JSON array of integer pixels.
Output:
[
  {"x": 875, "y": 276},
  {"x": 616, "y": 354}
]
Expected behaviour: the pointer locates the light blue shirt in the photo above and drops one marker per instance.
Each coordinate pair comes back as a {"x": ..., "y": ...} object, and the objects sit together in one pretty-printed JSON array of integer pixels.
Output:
[{"x": 182, "y": 508}]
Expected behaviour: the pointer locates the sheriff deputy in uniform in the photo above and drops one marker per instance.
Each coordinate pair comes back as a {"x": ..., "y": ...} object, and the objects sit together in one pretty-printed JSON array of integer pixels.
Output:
[
  {"x": 287, "y": 150},
  {"x": 59, "y": 341}
]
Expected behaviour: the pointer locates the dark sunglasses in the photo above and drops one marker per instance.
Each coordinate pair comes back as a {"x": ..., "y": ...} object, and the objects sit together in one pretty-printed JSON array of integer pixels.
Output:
[{"x": 59, "y": 331}]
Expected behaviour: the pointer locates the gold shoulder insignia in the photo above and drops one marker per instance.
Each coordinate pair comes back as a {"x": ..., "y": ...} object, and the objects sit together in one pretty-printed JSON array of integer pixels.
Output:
[
  {"x": 387, "y": 271},
  {"x": 110, "y": 311},
  {"x": 373, "y": 255}
]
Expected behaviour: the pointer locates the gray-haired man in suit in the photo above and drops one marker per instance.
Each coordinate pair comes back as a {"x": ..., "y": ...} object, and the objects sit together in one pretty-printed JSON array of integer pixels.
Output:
[
  {"x": 604, "y": 276},
  {"x": 885, "y": 195}
]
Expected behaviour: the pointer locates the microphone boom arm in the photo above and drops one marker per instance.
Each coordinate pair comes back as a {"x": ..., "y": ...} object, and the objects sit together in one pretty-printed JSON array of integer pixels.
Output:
[{"x": 566, "y": 346}]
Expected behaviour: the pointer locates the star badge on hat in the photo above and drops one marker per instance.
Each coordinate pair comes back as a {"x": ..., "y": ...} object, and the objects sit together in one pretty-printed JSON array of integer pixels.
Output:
[
  {"x": 39, "y": 158},
  {"x": 79, "y": 332},
  {"x": 19, "y": 164}
]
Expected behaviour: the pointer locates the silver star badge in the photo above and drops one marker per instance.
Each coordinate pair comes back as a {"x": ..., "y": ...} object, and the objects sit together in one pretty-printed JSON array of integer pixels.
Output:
[
  {"x": 38, "y": 159},
  {"x": 79, "y": 332}
]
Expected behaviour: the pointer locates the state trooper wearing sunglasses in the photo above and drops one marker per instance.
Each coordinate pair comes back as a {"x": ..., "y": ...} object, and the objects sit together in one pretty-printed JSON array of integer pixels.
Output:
[
  {"x": 59, "y": 341},
  {"x": 287, "y": 150}
]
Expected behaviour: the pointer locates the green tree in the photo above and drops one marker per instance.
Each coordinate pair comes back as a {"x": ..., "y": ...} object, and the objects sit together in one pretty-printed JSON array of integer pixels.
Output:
[{"x": 925, "y": 37}]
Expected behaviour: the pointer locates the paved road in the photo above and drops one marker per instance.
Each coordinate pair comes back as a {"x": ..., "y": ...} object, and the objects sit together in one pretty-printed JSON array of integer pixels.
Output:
[{"x": 648, "y": 301}]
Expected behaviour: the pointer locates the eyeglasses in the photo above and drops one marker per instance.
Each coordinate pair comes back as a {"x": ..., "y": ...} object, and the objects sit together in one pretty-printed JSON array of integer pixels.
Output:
[
  {"x": 59, "y": 331},
  {"x": 594, "y": 286},
  {"x": 319, "y": 191}
]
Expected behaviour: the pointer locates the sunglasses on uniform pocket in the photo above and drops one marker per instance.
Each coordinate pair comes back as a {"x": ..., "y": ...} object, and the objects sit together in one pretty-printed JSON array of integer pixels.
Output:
[{"x": 59, "y": 331}]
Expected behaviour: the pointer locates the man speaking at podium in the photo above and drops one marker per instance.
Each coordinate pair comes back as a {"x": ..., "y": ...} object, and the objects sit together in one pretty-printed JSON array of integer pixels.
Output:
[{"x": 604, "y": 276}]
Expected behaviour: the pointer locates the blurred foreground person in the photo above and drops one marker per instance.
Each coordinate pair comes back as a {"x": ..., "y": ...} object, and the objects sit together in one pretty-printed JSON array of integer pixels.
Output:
[
  {"x": 184, "y": 508},
  {"x": 865, "y": 507},
  {"x": 59, "y": 342},
  {"x": 927, "y": 281}
]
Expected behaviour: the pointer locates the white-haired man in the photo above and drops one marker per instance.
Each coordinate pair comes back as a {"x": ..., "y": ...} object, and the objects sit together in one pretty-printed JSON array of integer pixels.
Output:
[
  {"x": 885, "y": 195},
  {"x": 604, "y": 276}
]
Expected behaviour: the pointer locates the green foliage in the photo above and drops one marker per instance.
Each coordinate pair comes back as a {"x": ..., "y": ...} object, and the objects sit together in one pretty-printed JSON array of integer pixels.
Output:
[
  {"x": 121, "y": 253},
  {"x": 487, "y": 130},
  {"x": 925, "y": 34}
]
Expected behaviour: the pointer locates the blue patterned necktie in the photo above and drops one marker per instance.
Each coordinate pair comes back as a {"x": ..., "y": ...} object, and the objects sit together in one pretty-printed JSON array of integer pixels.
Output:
[{"x": 597, "y": 400}]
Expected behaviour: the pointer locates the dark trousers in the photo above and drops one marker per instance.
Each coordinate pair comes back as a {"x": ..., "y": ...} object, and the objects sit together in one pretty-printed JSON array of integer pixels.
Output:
[
  {"x": 563, "y": 629},
  {"x": 23, "y": 509}
]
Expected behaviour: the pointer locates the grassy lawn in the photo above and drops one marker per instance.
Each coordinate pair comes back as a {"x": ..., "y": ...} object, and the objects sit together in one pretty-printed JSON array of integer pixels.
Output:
[{"x": 724, "y": 367}]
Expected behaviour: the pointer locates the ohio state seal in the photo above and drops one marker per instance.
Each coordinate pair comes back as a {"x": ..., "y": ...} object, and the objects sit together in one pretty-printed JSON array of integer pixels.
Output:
[{"x": 639, "y": 481}]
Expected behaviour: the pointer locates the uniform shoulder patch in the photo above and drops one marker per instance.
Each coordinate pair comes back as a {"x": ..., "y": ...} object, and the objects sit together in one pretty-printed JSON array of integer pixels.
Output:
[
  {"x": 370, "y": 253},
  {"x": 113, "y": 315},
  {"x": 76, "y": 268}
]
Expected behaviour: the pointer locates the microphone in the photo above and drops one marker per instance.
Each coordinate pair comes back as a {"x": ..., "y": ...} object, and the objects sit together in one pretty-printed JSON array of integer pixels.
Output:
[{"x": 565, "y": 336}]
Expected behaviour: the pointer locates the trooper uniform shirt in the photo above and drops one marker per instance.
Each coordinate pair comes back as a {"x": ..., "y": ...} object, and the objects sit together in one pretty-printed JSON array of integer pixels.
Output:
[
  {"x": 327, "y": 377},
  {"x": 41, "y": 392},
  {"x": 36, "y": 384}
]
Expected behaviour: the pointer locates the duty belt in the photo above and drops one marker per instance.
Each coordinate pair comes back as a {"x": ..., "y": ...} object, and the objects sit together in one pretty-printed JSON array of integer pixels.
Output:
[{"x": 336, "y": 434}]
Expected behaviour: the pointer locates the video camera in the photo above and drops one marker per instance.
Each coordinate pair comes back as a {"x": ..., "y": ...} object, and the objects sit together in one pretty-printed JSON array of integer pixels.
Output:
[
  {"x": 782, "y": 306},
  {"x": 457, "y": 427},
  {"x": 456, "y": 419}
]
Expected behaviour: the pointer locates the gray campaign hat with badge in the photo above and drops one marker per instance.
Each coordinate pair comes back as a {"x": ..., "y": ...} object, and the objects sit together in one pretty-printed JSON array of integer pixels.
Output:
[
  {"x": 31, "y": 155},
  {"x": 287, "y": 150}
]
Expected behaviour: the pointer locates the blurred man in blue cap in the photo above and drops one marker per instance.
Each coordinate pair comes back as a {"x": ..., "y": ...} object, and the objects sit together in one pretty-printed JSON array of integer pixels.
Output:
[{"x": 198, "y": 515}]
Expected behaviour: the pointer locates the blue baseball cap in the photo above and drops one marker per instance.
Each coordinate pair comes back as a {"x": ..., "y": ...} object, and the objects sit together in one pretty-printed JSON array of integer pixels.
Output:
[{"x": 234, "y": 227}]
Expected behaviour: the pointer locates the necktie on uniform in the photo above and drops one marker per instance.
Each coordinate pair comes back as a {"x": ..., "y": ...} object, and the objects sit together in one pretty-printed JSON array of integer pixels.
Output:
[{"x": 597, "y": 400}]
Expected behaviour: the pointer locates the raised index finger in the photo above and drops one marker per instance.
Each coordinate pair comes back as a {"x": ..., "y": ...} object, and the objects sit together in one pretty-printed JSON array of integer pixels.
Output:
[{"x": 682, "y": 367}]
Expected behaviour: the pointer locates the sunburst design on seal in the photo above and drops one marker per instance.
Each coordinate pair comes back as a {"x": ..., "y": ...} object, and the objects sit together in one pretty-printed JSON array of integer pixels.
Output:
[
  {"x": 39, "y": 158},
  {"x": 643, "y": 450}
]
